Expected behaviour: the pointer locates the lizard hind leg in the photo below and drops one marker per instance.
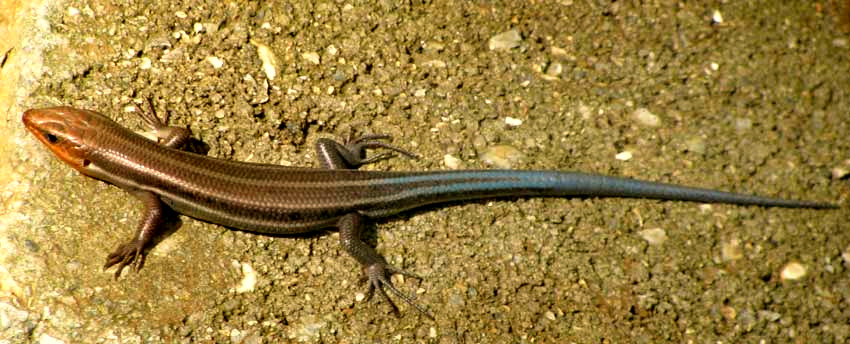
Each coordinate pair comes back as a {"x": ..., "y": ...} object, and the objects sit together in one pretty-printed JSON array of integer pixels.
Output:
[
  {"x": 376, "y": 271},
  {"x": 352, "y": 154},
  {"x": 377, "y": 278}
]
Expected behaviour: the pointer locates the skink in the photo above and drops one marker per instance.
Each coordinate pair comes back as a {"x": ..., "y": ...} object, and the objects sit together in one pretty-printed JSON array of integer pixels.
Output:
[{"x": 276, "y": 199}]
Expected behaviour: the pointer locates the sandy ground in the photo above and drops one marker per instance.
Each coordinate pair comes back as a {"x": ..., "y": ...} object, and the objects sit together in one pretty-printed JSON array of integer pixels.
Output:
[{"x": 743, "y": 96}]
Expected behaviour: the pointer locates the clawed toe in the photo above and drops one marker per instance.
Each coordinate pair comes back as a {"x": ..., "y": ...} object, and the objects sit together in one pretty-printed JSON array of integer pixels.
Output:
[
  {"x": 127, "y": 254},
  {"x": 370, "y": 141},
  {"x": 377, "y": 278}
]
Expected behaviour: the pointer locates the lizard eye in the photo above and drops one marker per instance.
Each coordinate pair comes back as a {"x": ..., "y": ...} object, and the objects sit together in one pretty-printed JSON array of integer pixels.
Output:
[{"x": 51, "y": 138}]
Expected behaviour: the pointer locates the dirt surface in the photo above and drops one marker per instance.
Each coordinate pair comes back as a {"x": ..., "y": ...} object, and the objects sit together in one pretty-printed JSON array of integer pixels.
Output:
[{"x": 744, "y": 96}]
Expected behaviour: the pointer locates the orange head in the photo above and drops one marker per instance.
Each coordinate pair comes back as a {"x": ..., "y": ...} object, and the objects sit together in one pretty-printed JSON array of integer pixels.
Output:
[{"x": 64, "y": 130}]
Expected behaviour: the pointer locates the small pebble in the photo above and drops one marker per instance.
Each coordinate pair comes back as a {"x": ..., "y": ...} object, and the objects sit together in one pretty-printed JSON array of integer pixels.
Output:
[
  {"x": 554, "y": 69},
  {"x": 842, "y": 171},
  {"x": 728, "y": 312},
  {"x": 172, "y": 56},
  {"x": 501, "y": 156},
  {"x": 696, "y": 145},
  {"x": 249, "y": 279},
  {"x": 451, "y": 162},
  {"x": 654, "y": 236},
  {"x": 332, "y": 50},
  {"x": 769, "y": 316},
  {"x": 645, "y": 117},
  {"x": 585, "y": 111},
  {"x": 47, "y": 339},
  {"x": 309, "y": 330},
  {"x": 623, "y": 156},
  {"x": 312, "y": 57},
  {"x": 505, "y": 40},
  {"x": 237, "y": 336},
  {"x": 839, "y": 172},
  {"x": 513, "y": 122},
  {"x": 145, "y": 63},
  {"x": 731, "y": 250},
  {"x": 434, "y": 46},
  {"x": 214, "y": 61},
  {"x": 559, "y": 51},
  {"x": 268, "y": 58},
  {"x": 717, "y": 17},
  {"x": 793, "y": 271},
  {"x": 435, "y": 64},
  {"x": 743, "y": 124}
]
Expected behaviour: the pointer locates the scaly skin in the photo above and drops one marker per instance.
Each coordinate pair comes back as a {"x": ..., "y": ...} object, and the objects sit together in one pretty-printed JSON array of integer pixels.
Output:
[{"x": 276, "y": 199}]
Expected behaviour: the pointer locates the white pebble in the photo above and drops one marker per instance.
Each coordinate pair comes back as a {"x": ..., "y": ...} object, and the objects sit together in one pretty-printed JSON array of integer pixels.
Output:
[
  {"x": 48, "y": 339},
  {"x": 716, "y": 17},
  {"x": 214, "y": 61},
  {"x": 501, "y": 156},
  {"x": 451, "y": 162},
  {"x": 434, "y": 64},
  {"x": 554, "y": 69},
  {"x": 841, "y": 171},
  {"x": 654, "y": 236},
  {"x": 513, "y": 122},
  {"x": 645, "y": 117},
  {"x": 268, "y": 58},
  {"x": 249, "y": 279},
  {"x": 505, "y": 40},
  {"x": 312, "y": 57},
  {"x": 731, "y": 250},
  {"x": 623, "y": 156},
  {"x": 742, "y": 124},
  {"x": 793, "y": 271},
  {"x": 585, "y": 111}
]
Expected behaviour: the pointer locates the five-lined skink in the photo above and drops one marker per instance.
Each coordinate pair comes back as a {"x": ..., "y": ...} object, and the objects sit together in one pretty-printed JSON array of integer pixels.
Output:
[{"x": 284, "y": 200}]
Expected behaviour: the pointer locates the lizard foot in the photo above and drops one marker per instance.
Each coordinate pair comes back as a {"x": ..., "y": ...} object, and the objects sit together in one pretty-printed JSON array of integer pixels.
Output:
[
  {"x": 371, "y": 141},
  {"x": 377, "y": 277},
  {"x": 129, "y": 253}
]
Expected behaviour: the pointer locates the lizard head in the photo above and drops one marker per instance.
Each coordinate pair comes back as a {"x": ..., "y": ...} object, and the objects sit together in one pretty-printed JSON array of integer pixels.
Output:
[{"x": 64, "y": 130}]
